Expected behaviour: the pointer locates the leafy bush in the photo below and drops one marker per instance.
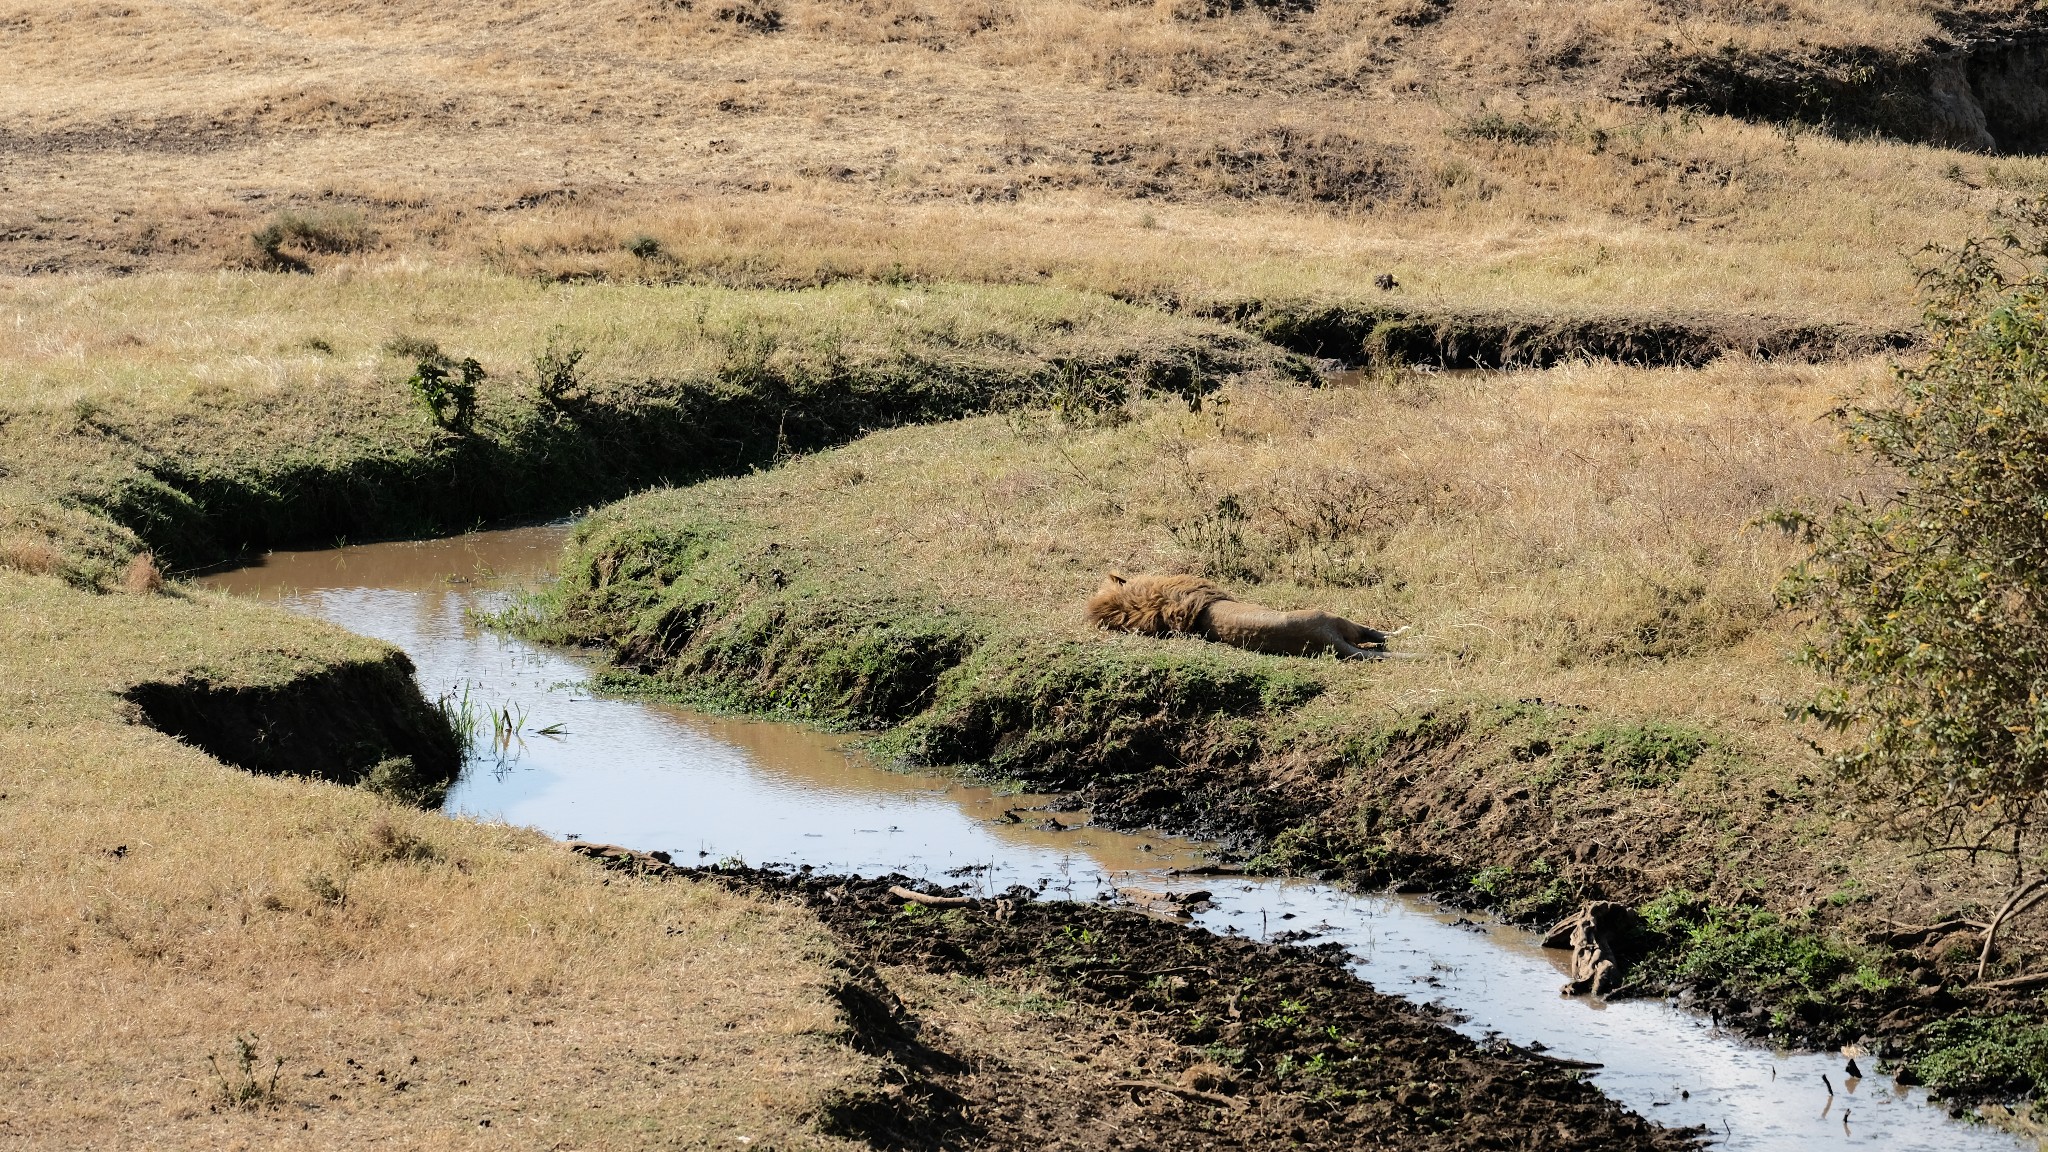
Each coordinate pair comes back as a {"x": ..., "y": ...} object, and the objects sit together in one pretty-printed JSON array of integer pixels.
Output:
[
  {"x": 1972, "y": 1057},
  {"x": 1933, "y": 605},
  {"x": 448, "y": 392}
]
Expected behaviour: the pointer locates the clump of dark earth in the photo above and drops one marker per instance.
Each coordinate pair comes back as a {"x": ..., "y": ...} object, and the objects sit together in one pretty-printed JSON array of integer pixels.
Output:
[{"x": 1275, "y": 1045}]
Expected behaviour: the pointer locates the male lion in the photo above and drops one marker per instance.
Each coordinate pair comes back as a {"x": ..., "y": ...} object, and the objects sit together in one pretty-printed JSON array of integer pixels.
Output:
[{"x": 1162, "y": 605}]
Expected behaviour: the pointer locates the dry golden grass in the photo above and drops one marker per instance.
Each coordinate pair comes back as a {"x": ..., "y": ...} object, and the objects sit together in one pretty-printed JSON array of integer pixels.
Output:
[
  {"x": 1578, "y": 533},
  {"x": 419, "y": 976},
  {"x": 1173, "y": 150}
]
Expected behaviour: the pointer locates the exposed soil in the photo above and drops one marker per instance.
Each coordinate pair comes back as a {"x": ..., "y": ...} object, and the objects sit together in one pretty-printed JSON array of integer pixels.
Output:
[
  {"x": 1396, "y": 334},
  {"x": 1200, "y": 1041},
  {"x": 1981, "y": 93},
  {"x": 359, "y": 723}
]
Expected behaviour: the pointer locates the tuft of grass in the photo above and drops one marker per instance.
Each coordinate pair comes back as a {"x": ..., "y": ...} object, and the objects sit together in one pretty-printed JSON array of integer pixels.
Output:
[
  {"x": 1503, "y": 129},
  {"x": 385, "y": 842},
  {"x": 243, "y": 1086}
]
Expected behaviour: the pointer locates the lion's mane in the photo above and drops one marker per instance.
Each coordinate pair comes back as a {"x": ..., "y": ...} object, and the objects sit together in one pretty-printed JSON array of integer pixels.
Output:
[{"x": 1153, "y": 605}]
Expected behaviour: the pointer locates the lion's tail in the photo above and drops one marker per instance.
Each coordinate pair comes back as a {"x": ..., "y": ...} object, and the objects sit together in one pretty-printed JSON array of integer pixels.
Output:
[{"x": 1152, "y": 605}]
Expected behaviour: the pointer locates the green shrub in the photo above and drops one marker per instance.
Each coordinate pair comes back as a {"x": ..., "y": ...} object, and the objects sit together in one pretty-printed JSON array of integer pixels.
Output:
[
  {"x": 1930, "y": 603},
  {"x": 1751, "y": 953},
  {"x": 448, "y": 392},
  {"x": 1975, "y": 1057}
]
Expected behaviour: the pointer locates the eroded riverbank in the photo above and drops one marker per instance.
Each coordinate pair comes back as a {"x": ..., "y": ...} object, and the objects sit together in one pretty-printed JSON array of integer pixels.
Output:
[{"x": 705, "y": 789}]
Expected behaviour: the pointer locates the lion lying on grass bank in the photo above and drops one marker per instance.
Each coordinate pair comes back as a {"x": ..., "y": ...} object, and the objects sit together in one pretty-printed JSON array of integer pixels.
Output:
[{"x": 1164, "y": 605}]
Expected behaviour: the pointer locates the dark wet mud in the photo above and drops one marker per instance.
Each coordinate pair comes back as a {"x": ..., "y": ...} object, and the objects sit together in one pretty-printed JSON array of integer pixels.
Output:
[{"x": 1203, "y": 1041}]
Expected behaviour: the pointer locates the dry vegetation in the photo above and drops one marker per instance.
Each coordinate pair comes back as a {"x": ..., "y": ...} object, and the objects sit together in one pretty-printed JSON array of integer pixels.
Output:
[
  {"x": 1169, "y": 151},
  {"x": 1591, "y": 534},
  {"x": 426, "y": 982},
  {"x": 230, "y": 228}
]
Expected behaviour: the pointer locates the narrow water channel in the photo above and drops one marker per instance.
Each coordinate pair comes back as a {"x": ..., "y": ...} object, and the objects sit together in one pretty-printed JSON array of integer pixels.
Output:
[{"x": 706, "y": 788}]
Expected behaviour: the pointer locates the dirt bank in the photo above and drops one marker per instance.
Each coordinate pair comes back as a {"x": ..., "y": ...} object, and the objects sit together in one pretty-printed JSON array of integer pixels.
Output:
[
  {"x": 272, "y": 411},
  {"x": 1980, "y": 89},
  {"x": 360, "y": 722},
  {"x": 1394, "y": 334},
  {"x": 1192, "y": 1040}
]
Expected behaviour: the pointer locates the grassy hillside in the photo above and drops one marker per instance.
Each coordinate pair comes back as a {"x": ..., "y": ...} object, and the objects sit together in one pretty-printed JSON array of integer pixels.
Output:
[
  {"x": 1498, "y": 153},
  {"x": 204, "y": 418}
]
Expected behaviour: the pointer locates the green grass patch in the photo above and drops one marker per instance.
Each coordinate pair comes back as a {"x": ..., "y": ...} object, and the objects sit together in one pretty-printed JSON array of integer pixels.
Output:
[
  {"x": 1800, "y": 978},
  {"x": 1983, "y": 1057}
]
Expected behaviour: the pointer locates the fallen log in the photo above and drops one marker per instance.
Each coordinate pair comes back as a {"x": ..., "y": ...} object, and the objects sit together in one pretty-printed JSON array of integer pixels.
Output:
[
  {"x": 2017, "y": 983},
  {"x": 1183, "y": 1093},
  {"x": 1909, "y": 935},
  {"x": 928, "y": 900}
]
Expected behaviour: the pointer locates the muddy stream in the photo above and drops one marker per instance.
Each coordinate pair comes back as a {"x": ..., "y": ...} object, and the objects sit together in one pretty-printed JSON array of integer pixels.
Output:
[{"x": 706, "y": 788}]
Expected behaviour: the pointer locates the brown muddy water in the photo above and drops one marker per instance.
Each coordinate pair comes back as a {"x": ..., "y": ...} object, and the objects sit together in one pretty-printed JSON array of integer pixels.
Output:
[{"x": 705, "y": 788}]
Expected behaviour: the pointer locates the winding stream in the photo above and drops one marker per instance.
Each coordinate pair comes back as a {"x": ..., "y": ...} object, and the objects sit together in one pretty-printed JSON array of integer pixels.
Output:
[{"x": 651, "y": 776}]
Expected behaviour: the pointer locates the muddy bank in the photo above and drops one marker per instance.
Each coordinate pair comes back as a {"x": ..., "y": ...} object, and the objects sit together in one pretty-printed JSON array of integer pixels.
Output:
[
  {"x": 356, "y": 723},
  {"x": 1396, "y": 334},
  {"x": 1202, "y": 1041},
  {"x": 1983, "y": 89}
]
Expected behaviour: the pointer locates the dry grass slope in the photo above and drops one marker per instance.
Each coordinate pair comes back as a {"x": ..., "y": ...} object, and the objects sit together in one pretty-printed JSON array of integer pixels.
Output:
[
  {"x": 426, "y": 982},
  {"x": 1165, "y": 152}
]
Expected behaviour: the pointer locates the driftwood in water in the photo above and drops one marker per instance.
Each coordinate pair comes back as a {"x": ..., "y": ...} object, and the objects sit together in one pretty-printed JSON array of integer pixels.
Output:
[{"x": 1594, "y": 935}]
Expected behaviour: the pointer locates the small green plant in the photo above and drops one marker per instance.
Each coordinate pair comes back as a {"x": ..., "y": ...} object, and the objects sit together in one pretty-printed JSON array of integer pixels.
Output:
[
  {"x": 243, "y": 1089},
  {"x": 1225, "y": 1055},
  {"x": 555, "y": 376},
  {"x": 465, "y": 716},
  {"x": 448, "y": 392},
  {"x": 644, "y": 246},
  {"x": 1756, "y": 954},
  {"x": 1972, "y": 1057}
]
